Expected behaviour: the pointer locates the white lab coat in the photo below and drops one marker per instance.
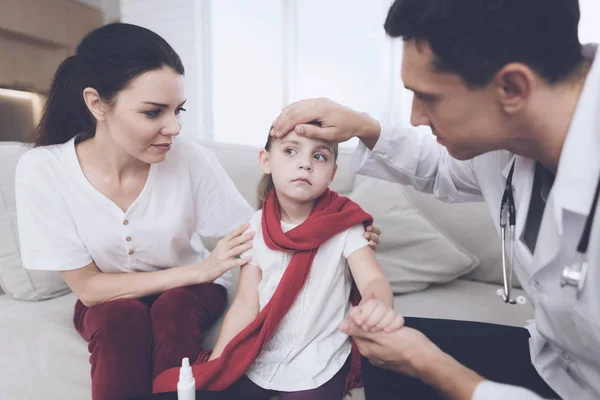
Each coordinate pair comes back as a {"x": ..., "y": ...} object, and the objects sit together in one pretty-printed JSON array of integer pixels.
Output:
[{"x": 565, "y": 336}]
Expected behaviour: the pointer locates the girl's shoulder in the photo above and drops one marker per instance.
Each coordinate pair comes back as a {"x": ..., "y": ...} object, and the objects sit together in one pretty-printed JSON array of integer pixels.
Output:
[{"x": 256, "y": 220}]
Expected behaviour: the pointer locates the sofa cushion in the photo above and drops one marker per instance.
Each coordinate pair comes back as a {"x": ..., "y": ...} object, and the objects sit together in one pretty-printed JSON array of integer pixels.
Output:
[
  {"x": 41, "y": 354},
  {"x": 469, "y": 225},
  {"x": 16, "y": 281},
  {"x": 466, "y": 301},
  {"x": 412, "y": 249}
]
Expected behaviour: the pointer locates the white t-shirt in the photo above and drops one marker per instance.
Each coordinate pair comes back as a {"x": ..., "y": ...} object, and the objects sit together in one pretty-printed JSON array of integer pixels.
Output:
[
  {"x": 65, "y": 223},
  {"x": 307, "y": 349}
]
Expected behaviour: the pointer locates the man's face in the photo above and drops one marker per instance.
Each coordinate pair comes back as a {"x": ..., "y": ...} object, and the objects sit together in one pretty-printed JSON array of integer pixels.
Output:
[{"x": 467, "y": 121}]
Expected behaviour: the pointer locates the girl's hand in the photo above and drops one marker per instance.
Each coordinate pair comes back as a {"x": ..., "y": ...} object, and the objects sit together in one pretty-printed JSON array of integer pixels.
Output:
[
  {"x": 226, "y": 254},
  {"x": 373, "y": 315}
]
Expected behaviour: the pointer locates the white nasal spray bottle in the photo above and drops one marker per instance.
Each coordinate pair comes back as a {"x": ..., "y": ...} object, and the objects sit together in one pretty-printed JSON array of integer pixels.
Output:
[{"x": 186, "y": 387}]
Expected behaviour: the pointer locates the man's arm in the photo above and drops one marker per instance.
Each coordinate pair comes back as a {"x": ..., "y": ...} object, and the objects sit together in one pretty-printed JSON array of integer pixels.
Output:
[
  {"x": 407, "y": 156},
  {"x": 412, "y": 157}
]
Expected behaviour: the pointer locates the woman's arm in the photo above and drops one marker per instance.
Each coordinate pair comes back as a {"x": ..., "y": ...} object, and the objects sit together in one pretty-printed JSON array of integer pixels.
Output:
[
  {"x": 369, "y": 276},
  {"x": 243, "y": 310},
  {"x": 93, "y": 286}
]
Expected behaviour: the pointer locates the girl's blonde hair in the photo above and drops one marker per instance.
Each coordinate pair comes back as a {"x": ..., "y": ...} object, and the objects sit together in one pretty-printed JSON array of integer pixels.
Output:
[{"x": 266, "y": 181}]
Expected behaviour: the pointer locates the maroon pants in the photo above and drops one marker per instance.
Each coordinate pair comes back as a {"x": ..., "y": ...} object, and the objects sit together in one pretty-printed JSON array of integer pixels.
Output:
[{"x": 132, "y": 341}]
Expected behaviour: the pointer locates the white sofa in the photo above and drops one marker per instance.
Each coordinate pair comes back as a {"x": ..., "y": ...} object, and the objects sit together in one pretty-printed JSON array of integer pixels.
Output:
[{"x": 442, "y": 260}]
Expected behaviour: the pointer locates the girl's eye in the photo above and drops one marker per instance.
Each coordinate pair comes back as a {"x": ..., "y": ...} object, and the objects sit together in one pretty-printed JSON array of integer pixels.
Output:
[
  {"x": 179, "y": 110},
  {"x": 320, "y": 157},
  {"x": 290, "y": 152},
  {"x": 152, "y": 114}
]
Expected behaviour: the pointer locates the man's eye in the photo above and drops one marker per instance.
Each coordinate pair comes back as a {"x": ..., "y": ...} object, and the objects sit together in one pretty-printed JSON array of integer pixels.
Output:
[
  {"x": 320, "y": 157},
  {"x": 425, "y": 98},
  {"x": 289, "y": 152}
]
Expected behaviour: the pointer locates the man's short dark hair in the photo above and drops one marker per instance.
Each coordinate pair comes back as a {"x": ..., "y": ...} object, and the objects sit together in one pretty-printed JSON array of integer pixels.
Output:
[{"x": 476, "y": 38}]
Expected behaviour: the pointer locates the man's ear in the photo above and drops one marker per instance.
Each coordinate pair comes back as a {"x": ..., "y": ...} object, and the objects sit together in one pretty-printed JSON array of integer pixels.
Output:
[
  {"x": 514, "y": 85},
  {"x": 94, "y": 103},
  {"x": 264, "y": 161},
  {"x": 335, "y": 167}
]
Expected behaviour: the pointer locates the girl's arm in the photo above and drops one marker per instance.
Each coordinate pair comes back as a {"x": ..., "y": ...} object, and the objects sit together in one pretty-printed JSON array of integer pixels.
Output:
[
  {"x": 369, "y": 276},
  {"x": 243, "y": 310}
]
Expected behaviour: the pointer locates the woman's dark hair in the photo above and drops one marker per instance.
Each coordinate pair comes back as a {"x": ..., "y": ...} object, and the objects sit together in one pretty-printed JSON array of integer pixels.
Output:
[
  {"x": 476, "y": 38},
  {"x": 107, "y": 59},
  {"x": 266, "y": 181}
]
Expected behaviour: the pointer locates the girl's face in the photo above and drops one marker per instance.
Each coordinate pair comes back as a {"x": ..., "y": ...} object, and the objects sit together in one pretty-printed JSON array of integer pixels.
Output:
[
  {"x": 301, "y": 167},
  {"x": 145, "y": 117}
]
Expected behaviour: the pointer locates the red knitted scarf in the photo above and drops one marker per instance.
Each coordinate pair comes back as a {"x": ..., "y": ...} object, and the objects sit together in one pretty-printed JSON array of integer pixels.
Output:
[{"x": 331, "y": 215}]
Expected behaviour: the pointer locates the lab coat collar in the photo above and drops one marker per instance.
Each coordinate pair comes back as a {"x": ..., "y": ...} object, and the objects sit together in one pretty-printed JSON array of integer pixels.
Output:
[
  {"x": 507, "y": 167},
  {"x": 579, "y": 165}
]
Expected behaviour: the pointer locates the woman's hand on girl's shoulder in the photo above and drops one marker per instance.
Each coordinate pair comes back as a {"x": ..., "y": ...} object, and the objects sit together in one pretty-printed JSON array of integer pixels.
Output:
[{"x": 227, "y": 253}]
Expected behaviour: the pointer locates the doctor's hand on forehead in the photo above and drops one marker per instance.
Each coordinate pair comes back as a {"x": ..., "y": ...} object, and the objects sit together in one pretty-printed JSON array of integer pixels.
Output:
[{"x": 337, "y": 122}]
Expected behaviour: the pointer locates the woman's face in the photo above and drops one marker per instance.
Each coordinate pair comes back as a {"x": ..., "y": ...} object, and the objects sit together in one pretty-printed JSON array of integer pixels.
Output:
[{"x": 145, "y": 116}]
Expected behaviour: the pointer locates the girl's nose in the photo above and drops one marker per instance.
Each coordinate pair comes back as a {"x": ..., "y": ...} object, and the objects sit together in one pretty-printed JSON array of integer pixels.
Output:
[{"x": 305, "y": 164}]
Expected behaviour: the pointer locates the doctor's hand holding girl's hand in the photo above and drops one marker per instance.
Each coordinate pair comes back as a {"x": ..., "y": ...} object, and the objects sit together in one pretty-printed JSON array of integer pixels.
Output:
[
  {"x": 373, "y": 315},
  {"x": 227, "y": 252},
  {"x": 407, "y": 351}
]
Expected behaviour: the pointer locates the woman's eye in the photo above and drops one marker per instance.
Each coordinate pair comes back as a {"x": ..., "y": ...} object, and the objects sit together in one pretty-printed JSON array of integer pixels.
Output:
[
  {"x": 179, "y": 110},
  {"x": 152, "y": 114},
  {"x": 320, "y": 157}
]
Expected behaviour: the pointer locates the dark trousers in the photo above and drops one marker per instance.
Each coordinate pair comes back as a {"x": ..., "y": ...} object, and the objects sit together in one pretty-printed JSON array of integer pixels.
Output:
[
  {"x": 496, "y": 352},
  {"x": 132, "y": 341},
  {"x": 330, "y": 390}
]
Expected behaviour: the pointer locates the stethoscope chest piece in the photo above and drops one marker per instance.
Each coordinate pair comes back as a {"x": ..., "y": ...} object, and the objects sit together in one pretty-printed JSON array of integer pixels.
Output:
[{"x": 575, "y": 274}]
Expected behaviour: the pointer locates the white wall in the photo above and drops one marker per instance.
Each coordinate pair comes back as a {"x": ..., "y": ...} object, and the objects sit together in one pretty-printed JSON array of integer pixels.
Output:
[
  {"x": 247, "y": 59},
  {"x": 589, "y": 29},
  {"x": 110, "y": 8},
  {"x": 180, "y": 23}
]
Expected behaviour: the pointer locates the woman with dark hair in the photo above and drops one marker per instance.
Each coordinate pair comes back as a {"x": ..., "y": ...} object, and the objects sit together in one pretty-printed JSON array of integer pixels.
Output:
[{"x": 111, "y": 199}]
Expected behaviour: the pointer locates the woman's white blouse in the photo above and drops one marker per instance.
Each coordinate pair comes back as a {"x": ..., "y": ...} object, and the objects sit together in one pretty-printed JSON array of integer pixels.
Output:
[{"x": 65, "y": 223}]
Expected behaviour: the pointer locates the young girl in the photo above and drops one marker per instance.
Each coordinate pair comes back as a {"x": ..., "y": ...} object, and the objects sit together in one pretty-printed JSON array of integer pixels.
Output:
[{"x": 281, "y": 330}]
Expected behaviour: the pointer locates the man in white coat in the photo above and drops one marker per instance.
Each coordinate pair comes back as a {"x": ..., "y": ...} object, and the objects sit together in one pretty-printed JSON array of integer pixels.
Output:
[{"x": 511, "y": 96}]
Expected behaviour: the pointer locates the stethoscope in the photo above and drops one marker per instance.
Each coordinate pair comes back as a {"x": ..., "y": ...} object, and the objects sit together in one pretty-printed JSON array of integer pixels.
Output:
[{"x": 573, "y": 274}]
